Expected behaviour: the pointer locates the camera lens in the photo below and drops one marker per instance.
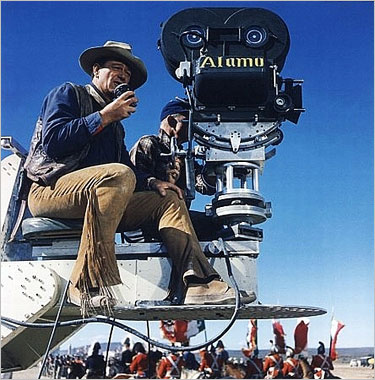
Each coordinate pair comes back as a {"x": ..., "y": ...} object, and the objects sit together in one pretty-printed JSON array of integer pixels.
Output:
[
  {"x": 193, "y": 40},
  {"x": 256, "y": 36}
]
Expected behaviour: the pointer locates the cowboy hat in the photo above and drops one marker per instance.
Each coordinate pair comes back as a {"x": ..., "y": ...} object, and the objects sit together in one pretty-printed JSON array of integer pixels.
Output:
[{"x": 115, "y": 51}]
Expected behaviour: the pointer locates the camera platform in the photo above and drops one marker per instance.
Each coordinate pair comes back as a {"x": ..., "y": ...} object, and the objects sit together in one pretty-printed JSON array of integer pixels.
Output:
[{"x": 207, "y": 312}]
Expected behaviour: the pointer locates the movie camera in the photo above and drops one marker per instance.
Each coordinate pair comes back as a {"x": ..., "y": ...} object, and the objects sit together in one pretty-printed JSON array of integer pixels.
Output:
[{"x": 229, "y": 61}]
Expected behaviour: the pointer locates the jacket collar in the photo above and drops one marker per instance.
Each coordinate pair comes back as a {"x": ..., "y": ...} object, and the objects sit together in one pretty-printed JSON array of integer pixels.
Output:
[{"x": 97, "y": 94}]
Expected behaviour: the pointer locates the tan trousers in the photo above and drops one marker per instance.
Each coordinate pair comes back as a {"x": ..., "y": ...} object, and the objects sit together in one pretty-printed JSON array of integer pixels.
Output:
[{"x": 103, "y": 196}]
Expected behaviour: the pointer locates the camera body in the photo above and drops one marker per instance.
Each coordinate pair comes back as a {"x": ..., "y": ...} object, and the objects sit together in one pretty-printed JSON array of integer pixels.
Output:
[
  {"x": 229, "y": 61},
  {"x": 233, "y": 58}
]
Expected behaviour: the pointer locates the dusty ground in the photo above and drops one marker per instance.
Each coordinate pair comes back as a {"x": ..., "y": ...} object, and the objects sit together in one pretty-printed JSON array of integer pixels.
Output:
[
  {"x": 346, "y": 372},
  {"x": 341, "y": 370}
]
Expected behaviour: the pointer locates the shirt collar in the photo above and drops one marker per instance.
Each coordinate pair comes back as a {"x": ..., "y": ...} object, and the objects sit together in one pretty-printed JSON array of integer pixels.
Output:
[{"x": 165, "y": 139}]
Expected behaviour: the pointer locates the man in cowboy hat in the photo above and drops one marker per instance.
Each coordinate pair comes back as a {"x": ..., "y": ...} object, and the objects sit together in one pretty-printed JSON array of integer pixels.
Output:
[{"x": 80, "y": 168}]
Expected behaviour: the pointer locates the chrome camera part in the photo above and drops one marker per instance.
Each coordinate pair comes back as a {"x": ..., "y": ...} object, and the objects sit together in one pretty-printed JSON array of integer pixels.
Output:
[
  {"x": 256, "y": 36},
  {"x": 193, "y": 37}
]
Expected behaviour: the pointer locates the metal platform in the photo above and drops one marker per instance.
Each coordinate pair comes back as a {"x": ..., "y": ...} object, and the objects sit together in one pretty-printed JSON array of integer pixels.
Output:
[{"x": 217, "y": 312}]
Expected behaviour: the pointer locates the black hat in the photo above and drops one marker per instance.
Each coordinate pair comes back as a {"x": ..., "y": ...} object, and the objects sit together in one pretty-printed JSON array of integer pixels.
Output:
[
  {"x": 220, "y": 344},
  {"x": 321, "y": 348}
]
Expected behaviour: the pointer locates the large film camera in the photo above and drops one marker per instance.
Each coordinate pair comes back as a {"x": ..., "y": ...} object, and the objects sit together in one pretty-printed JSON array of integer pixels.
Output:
[{"x": 229, "y": 61}]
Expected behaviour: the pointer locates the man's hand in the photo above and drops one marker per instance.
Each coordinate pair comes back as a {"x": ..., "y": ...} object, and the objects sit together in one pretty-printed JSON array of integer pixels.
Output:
[
  {"x": 120, "y": 108},
  {"x": 162, "y": 186},
  {"x": 173, "y": 175}
]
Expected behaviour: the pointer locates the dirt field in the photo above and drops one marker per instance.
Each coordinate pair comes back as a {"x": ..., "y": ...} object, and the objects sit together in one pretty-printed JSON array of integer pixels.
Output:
[{"x": 346, "y": 372}]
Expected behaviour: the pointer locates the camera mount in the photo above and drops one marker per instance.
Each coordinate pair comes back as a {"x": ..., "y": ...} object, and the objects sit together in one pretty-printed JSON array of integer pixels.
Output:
[{"x": 229, "y": 61}]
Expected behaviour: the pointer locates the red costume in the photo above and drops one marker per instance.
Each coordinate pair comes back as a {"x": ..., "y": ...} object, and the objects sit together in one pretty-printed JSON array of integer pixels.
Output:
[
  {"x": 291, "y": 368},
  {"x": 139, "y": 364},
  {"x": 208, "y": 362},
  {"x": 272, "y": 366},
  {"x": 170, "y": 367}
]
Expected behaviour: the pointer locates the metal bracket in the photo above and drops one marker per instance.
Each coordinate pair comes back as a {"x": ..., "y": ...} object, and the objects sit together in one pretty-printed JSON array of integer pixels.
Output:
[
  {"x": 9, "y": 143},
  {"x": 184, "y": 70},
  {"x": 235, "y": 141}
]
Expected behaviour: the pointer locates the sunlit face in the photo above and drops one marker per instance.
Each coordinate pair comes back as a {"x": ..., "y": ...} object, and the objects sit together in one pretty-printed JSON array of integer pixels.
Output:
[{"x": 109, "y": 75}]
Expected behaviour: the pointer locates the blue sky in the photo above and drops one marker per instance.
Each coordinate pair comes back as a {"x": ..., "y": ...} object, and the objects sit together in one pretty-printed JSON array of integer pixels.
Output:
[{"x": 318, "y": 246}]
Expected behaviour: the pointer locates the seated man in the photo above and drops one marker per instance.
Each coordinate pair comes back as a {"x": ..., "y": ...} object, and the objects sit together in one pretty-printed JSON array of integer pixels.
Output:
[
  {"x": 80, "y": 168},
  {"x": 151, "y": 156},
  {"x": 254, "y": 365}
]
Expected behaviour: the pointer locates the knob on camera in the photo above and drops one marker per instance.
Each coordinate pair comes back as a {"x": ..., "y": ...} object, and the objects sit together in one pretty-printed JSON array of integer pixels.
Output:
[{"x": 121, "y": 89}]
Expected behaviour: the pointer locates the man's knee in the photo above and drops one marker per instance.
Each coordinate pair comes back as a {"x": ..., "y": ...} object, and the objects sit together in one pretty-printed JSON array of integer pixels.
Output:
[
  {"x": 171, "y": 198},
  {"x": 122, "y": 176},
  {"x": 174, "y": 213}
]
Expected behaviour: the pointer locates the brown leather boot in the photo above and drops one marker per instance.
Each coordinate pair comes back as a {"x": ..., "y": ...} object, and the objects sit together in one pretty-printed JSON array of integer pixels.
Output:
[{"x": 214, "y": 293}]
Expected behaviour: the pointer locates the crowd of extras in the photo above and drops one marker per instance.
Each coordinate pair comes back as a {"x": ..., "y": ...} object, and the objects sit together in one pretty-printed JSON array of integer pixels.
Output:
[{"x": 213, "y": 363}]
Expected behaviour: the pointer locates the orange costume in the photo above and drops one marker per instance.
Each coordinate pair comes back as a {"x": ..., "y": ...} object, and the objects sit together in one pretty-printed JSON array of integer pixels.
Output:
[
  {"x": 206, "y": 360},
  {"x": 170, "y": 367},
  {"x": 139, "y": 365},
  {"x": 291, "y": 368},
  {"x": 272, "y": 366}
]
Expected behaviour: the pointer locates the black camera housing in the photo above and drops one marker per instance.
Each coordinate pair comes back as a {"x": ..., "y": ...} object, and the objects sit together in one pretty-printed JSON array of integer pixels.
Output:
[{"x": 235, "y": 56}]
